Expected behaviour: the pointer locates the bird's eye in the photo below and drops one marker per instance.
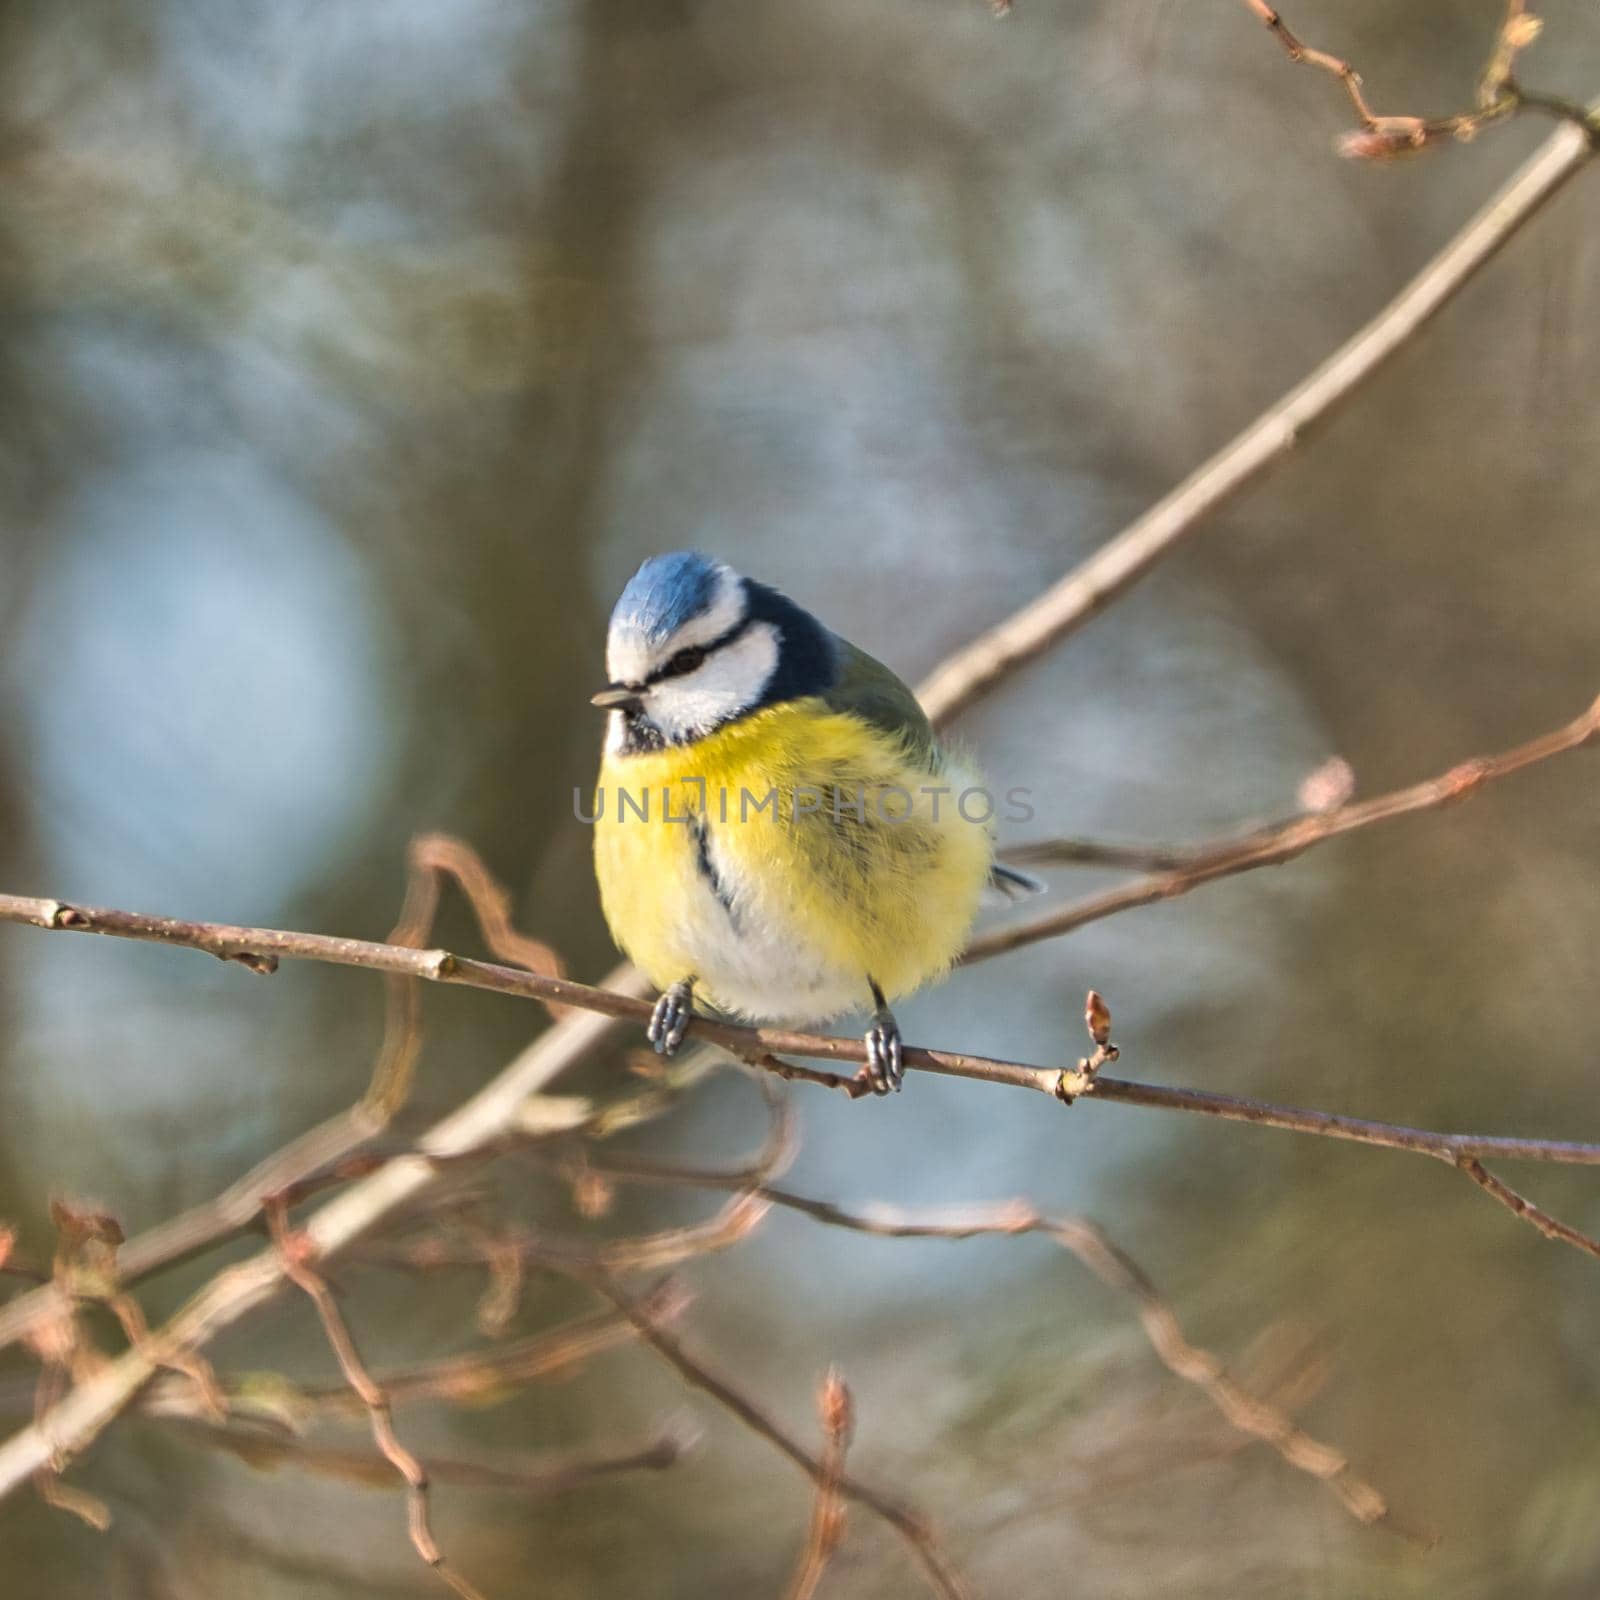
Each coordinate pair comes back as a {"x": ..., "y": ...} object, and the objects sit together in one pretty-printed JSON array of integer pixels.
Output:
[{"x": 685, "y": 660}]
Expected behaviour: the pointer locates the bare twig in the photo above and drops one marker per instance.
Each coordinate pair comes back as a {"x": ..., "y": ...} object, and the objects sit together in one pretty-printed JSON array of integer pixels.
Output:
[
  {"x": 1282, "y": 842},
  {"x": 1385, "y": 136},
  {"x": 979, "y": 666},
  {"x": 1447, "y": 1147},
  {"x": 1518, "y": 29},
  {"x": 283, "y": 1172},
  {"x": 71, "y": 1424},
  {"x": 1499, "y": 98},
  {"x": 530, "y": 1475},
  {"x": 1518, "y": 1205},
  {"x": 435, "y": 855},
  {"x": 910, "y": 1524},
  {"x": 479, "y": 1377},
  {"x": 296, "y": 1253},
  {"x": 1415, "y": 129},
  {"x": 260, "y": 1402},
  {"x": 56, "y": 1350},
  {"x": 500, "y": 1105},
  {"x": 1088, "y": 1079},
  {"x": 1097, "y": 853},
  {"x": 650, "y": 1252},
  {"x": 204, "y": 1225},
  {"x": 1081, "y": 1238},
  {"x": 836, "y": 1409}
]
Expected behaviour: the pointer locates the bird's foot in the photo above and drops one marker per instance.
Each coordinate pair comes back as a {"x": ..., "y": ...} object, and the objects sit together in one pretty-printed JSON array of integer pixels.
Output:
[
  {"x": 670, "y": 1019},
  {"x": 885, "y": 1065}
]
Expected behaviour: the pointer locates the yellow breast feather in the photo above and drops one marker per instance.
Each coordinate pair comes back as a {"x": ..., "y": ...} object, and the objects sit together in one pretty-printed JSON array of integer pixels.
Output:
[{"x": 788, "y": 856}]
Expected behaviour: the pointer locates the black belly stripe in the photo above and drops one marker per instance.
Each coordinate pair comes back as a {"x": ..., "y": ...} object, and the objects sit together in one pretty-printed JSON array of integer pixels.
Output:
[{"x": 707, "y": 868}]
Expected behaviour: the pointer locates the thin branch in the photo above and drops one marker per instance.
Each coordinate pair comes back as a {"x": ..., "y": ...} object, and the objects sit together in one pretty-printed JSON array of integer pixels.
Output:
[
  {"x": 1386, "y": 136},
  {"x": 1459, "y": 1150},
  {"x": 1098, "y": 853},
  {"x": 525, "y": 1475},
  {"x": 824, "y": 1535},
  {"x": 732, "y": 1224},
  {"x": 296, "y": 1253},
  {"x": 56, "y": 1355},
  {"x": 1282, "y": 842},
  {"x": 649, "y": 1252},
  {"x": 1518, "y": 1205},
  {"x": 1089, "y": 1079},
  {"x": 479, "y": 1376},
  {"x": 433, "y": 856},
  {"x": 978, "y": 667},
  {"x": 1447, "y": 1147},
  {"x": 910, "y": 1524},
  {"x": 71, "y": 1424},
  {"x": 1518, "y": 29},
  {"x": 1248, "y": 1413},
  {"x": 499, "y": 1106},
  {"x": 474, "y": 1378},
  {"x": 204, "y": 1225},
  {"x": 322, "y": 1149}
]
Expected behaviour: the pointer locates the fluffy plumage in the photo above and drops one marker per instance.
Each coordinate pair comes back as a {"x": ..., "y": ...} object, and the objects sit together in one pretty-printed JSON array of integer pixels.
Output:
[
  {"x": 792, "y": 855},
  {"x": 784, "y": 913}
]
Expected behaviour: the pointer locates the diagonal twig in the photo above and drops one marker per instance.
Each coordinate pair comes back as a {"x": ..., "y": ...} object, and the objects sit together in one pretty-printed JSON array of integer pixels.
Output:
[
  {"x": 1271, "y": 846},
  {"x": 297, "y": 1253},
  {"x": 909, "y": 1523},
  {"x": 978, "y": 667},
  {"x": 1519, "y": 1205},
  {"x": 530, "y": 1475},
  {"x": 1089, "y": 1244},
  {"x": 1381, "y": 137}
]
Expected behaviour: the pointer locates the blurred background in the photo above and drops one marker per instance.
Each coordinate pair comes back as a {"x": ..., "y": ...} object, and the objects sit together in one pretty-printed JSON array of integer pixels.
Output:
[{"x": 353, "y": 356}]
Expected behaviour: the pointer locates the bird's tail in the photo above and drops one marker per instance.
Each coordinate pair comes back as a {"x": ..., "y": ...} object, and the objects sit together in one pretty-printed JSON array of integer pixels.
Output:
[{"x": 1012, "y": 884}]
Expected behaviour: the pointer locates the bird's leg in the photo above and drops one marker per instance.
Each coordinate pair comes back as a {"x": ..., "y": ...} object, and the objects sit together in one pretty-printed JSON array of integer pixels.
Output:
[
  {"x": 885, "y": 1069},
  {"x": 671, "y": 1017}
]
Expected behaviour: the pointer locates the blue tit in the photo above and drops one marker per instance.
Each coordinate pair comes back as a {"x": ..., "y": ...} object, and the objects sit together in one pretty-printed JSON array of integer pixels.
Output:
[{"x": 778, "y": 833}]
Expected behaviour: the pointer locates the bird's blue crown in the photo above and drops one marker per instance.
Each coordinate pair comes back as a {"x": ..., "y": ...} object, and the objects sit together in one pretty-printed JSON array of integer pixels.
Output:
[{"x": 666, "y": 593}]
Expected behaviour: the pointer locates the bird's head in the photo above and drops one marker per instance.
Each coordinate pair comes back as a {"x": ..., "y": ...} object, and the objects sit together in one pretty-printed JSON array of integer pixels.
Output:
[{"x": 692, "y": 645}]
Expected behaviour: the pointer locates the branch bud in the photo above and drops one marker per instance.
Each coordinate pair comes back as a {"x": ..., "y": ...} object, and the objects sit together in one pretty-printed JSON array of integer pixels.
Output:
[
  {"x": 1097, "y": 1017},
  {"x": 1329, "y": 787},
  {"x": 836, "y": 1406},
  {"x": 1382, "y": 143},
  {"x": 593, "y": 1194}
]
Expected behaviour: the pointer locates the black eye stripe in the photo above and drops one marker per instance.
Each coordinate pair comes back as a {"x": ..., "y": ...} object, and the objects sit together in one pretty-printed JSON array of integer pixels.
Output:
[
  {"x": 691, "y": 656},
  {"x": 686, "y": 660}
]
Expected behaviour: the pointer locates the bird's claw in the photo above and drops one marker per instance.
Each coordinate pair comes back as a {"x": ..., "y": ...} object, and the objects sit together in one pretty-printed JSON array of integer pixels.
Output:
[
  {"x": 885, "y": 1064},
  {"x": 669, "y": 1021}
]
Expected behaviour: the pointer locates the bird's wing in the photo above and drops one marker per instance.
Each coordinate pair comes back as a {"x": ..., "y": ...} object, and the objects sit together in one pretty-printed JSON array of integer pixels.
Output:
[{"x": 869, "y": 690}]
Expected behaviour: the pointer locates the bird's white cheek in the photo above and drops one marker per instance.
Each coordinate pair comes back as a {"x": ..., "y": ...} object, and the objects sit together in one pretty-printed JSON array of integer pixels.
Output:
[{"x": 729, "y": 681}]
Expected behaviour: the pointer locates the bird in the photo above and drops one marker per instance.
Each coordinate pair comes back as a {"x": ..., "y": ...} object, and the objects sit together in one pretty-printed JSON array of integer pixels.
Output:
[{"x": 786, "y": 839}]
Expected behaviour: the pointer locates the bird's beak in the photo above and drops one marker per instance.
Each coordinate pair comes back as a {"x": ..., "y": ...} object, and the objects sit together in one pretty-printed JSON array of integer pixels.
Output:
[{"x": 616, "y": 698}]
